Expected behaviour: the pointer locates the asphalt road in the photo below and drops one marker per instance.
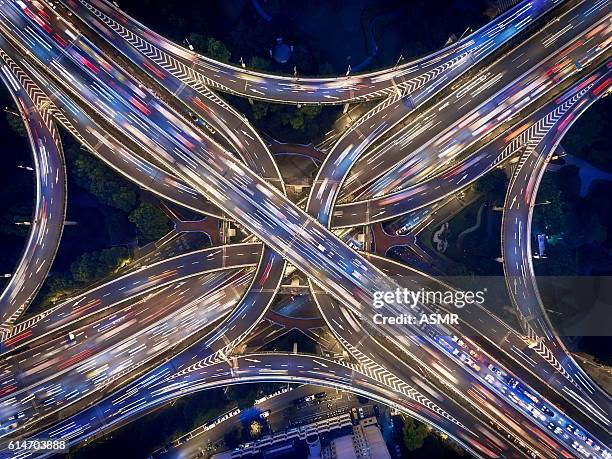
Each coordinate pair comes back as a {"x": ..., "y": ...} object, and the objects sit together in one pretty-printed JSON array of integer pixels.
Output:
[{"x": 47, "y": 222}]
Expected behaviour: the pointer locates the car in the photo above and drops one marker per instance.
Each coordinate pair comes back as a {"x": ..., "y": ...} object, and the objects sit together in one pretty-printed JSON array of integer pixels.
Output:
[
  {"x": 512, "y": 382},
  {"x": 547, "y": 411},
  {"x": 265, "y": 414},
  {"x": 490, "y": 379},
  {"x": 495, "y": 370},
  {"x": 531, "y": 397},
  {"x": 580, "y": 435}
]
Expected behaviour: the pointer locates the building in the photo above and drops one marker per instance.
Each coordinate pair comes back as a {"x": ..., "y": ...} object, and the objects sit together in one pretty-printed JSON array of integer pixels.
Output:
[
  {"x": 314, "y": 446},
  {"x": 274, "y": 444},
  {"x": 366, "y": 442}
]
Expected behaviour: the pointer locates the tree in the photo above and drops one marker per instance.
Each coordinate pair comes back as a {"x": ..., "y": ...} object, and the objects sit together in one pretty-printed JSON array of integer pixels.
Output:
[
  {"x": 92, "y": 266},
  {"x": 16, "y": 124},
  {"x": 297, "y": 121},
  {"x": 551, "y": 214},
  {"x": 260, "y": 109},
  {"x": 259, "y": 63},
  {"x": 199, "y": 42},
  {"x": 310, "y": 111},
  {"x": 492, "y": 184},
  {"x": 95, "y": 177},
  {"x": 60, "y": 283},
  {"x": 217, "y": 50},
  {"x": 151, "y": 221},
  {"x": 243, "y": 394},
  {"x": 124, "y": 198},
  {"x": 415, "y": 433}
]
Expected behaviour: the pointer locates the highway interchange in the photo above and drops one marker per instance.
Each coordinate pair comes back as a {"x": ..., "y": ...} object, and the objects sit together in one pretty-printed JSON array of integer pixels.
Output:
[{"x": 192, "y": 311}]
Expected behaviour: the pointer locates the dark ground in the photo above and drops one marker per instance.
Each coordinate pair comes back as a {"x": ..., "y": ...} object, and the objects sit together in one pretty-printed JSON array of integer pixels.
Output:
[{"x": 326, "y": 35}]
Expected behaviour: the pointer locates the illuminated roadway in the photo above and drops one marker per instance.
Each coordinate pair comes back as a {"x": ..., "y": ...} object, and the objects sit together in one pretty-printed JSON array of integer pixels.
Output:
[
  {"x": 466, "y": 170},
  {"x": 299, "y": 227},
  {"x": 537, "y": 145},
  {"x": 274, "y": 88},
  {"x": 344, "y": 156},
  {"x": 47, "y": 223}
]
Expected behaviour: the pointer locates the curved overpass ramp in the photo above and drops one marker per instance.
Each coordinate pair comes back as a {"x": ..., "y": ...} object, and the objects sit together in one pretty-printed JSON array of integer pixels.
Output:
[{"x": 49, "y": 211}]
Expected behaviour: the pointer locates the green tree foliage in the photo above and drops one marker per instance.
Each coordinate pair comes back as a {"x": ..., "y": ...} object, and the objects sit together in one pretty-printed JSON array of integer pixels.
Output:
[
  {"x": 492, "y": 184},
  {"x": 60, "y": 283},
  {"x": 244, "y": 394},
  {"x": 139, "y": 439},
  {"x": 151, "y": 221},
  {"x": 92, "y": 266},
  {"x": 297, "y": 121},
  {"x": 260, "y": 109},
  {"x": 16, "y": 124},
  {"x": 199, "y": 42},
  {"x": 551, "y": 214},
  {"x": 259, "y": 63},
  {"x": 217, "y": 50},
  {"x": 310, "y": 111},
  {"x": 415, "y": 433},
  {"x": 304, "y": 114},
  {"x": 99, "y": 180},
  {"x": 210, "y": 46},
  {"x": 286, "y": 115}
]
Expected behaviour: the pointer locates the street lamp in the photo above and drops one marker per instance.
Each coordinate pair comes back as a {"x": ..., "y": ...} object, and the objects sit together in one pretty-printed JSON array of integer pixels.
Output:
[
  {"x": 469, "y": 29},
  {"x": 399, "y": 59},
  {"x": 8, "y": 110}
]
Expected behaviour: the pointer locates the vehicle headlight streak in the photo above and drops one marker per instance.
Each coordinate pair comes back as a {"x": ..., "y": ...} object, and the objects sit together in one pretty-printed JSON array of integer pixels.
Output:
[{"x": 237, "y": 190}]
